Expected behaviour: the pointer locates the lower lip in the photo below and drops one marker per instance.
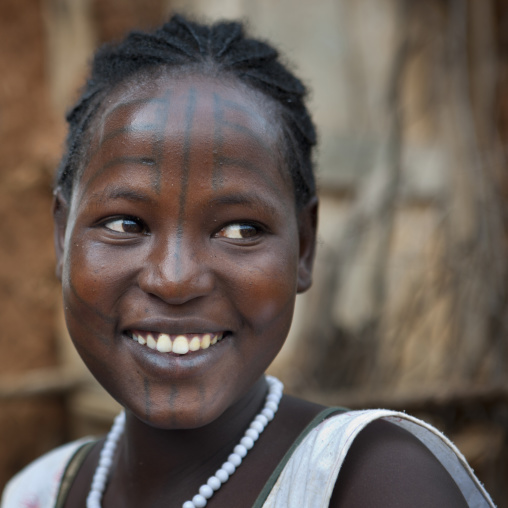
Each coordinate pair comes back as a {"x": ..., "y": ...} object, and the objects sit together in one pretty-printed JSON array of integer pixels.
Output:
[{"x": 173, "y": 365}]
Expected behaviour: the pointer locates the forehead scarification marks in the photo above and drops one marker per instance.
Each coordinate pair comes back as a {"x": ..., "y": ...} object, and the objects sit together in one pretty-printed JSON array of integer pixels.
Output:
[
  {"x": 162, "y": 118},
  {"x": 217, "y": 180},
  {"x": 189, "y": 117},
  {"x": 243, "y": 129},
  {"x": 153, "y": 163},
  {"x": 221, "y": 108}
]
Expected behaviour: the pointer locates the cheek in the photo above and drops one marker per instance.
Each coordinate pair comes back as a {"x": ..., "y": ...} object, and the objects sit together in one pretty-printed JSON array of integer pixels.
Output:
[
  {"x": 94, "y": 274},
  {"x": 266, "y": 287}
]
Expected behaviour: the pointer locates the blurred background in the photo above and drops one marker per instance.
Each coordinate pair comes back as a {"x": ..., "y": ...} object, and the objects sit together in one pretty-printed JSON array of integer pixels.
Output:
[{"x": 409, "y": 309}]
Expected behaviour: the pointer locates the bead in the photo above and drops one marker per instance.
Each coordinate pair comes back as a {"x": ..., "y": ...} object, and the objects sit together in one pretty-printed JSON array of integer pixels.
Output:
[
  {"x": 229, "y": 468},
  {"x": 271, "y": 405},
  {"x": 248, "y": 442},
  {"x": 222, "y": 475},
  {"x": 107, "y": 461},
  {"x": 262, "y": 419},
  {"x": 252, "y": 433},
  {"x": 214, "y": 482},
  {"x": 206, "y": 491},
  {"x": 235, "y": 459},
  {"x": 268, "y": 413},
  {"x": 258, "y": 426},
  {"x": 199, "y": 501},
  {"x": 241, "y": 450}
]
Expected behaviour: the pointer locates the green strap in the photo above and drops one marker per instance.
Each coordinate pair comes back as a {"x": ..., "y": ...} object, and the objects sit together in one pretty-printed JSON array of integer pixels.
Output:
[
  {"x": 323, "y": 415},
  {"x": 71, "y": 471}
]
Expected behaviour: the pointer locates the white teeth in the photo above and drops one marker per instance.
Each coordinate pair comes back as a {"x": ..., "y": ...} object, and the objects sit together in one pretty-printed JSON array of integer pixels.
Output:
[
  {"x": 164, "y": 343},
  {"x": 194, "y": 344},
  {"x": 180, "y": 345},
  {"x": 205, "y": 343},
  {"x": 151, "y": 342}
]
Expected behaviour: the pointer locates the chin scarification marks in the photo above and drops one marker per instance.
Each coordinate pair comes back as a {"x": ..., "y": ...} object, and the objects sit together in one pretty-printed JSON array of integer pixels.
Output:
[
  {"x": 148, "y": 401},
  {"x": 187, "y": 143}
]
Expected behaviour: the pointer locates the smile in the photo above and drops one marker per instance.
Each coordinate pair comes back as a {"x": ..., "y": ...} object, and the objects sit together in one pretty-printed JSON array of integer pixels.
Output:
[{"x": 180, "y": 344}]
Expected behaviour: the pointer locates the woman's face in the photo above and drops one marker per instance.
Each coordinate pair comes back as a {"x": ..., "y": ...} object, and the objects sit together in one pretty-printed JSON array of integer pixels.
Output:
[{"x": 181, "y": 251}]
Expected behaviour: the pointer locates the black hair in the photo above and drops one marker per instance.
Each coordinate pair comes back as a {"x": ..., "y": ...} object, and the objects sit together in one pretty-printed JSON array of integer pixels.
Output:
[{"x": 180, "y": 44}]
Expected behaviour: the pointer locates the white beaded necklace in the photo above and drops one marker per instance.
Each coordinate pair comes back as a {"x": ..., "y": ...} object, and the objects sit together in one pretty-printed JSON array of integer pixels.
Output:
[{"x": 215, "y": 482}]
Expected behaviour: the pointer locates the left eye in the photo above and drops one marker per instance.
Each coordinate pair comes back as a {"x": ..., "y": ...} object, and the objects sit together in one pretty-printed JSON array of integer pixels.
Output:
[
  {"x": 125, "y": 225},
  {"x": 238, "y": 231}
]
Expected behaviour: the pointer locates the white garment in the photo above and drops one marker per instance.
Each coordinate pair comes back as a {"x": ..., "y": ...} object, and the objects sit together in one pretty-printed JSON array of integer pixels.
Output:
[
  {"x": 306, "y": 481},
  {"x": 309, "y": 477}
]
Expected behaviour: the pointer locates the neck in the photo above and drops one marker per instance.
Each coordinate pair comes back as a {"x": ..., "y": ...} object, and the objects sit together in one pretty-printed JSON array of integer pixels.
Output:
[{"x": 151, "y": 460}]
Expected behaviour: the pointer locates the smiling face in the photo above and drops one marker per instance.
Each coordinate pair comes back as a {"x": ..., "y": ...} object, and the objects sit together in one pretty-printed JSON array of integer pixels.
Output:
[{"x": 181, "y": 251}]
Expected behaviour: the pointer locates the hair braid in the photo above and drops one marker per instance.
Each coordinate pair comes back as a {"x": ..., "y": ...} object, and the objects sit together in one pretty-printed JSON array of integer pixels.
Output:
[{"x": 179, "y": 44}]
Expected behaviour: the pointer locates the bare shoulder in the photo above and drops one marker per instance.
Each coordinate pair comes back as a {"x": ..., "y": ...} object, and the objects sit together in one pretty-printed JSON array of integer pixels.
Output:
[{"x": 388, "y": 466}]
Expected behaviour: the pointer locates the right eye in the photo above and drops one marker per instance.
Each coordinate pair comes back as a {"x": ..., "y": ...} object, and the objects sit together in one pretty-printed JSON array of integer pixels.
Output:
[{"x": 130, "y": 225}]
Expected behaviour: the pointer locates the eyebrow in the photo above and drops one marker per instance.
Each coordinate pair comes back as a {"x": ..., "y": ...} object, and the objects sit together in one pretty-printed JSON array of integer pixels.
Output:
[
  {"x": 118, "y": 192},
  {"x": 244, "y": 199},
  {"x": 142, "y": 161}
]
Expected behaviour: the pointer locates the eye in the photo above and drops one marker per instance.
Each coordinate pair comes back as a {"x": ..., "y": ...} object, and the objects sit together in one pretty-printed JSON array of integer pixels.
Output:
[
  {"x": 239, "y": 231},
  {"x": 130, "y": 225}
]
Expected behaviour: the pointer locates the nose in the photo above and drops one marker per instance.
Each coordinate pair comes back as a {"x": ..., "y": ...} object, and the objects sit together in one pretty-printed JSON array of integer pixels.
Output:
[{"x": 177, "y": 272}]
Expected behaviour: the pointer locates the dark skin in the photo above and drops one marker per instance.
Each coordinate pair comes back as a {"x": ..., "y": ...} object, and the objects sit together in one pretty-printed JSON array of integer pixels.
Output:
[{"x": 184, "y": 222}]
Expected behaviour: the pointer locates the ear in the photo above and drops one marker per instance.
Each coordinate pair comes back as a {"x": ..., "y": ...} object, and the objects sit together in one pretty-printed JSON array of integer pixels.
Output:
[
  {"x": 307, "y": 226},
  {"x": 60, "y": 213}
]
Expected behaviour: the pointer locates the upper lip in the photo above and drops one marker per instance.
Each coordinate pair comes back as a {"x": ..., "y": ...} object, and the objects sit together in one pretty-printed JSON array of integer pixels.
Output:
[{"x": 173, "y": 326}]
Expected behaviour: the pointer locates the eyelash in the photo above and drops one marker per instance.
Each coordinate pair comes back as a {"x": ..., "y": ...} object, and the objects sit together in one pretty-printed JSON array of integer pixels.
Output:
[
  {"x": 133, "y": 220},
  {"x": 258, "y": 230},
  {"x": 142, "y": 228}
]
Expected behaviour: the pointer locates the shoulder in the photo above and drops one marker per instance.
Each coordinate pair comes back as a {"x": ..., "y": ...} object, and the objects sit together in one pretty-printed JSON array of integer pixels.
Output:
[
  {"x": 386, "y": 465},
  {"x": 37, "y": 484}
]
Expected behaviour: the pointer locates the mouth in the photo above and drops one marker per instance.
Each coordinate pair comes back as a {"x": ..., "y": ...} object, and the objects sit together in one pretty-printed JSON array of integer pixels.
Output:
[{"x": 180, "y": 344}]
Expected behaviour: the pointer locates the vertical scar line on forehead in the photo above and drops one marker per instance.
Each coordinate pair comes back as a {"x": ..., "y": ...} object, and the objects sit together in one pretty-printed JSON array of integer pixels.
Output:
[
  {"x": 189, "y": 116},
  {"x": 217, "y": 180},
  {"x": 162, "y": 118},
  {"x": 244, "y": 129}
]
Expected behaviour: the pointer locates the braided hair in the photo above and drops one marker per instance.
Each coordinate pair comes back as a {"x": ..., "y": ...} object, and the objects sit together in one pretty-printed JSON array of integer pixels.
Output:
[{"x": 181, "y": 44}]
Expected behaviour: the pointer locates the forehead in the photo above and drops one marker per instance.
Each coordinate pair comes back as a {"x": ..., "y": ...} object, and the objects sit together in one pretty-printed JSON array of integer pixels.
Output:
[
  {"x": 191, "y": 114},
  {"x": 168, "y": 101}
]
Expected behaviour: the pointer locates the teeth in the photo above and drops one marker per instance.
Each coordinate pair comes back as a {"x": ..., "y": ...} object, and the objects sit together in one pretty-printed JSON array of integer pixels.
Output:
[
  {"x": 164, "y": 343},
  {"x": 194, "y": 344},
  {"x": 151, "y": 342},
  {"x": 181, "y": 344}
]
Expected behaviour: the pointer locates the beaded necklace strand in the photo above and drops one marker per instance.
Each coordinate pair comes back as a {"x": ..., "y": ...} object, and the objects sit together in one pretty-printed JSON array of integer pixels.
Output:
[{"x": 214, "y": 483}]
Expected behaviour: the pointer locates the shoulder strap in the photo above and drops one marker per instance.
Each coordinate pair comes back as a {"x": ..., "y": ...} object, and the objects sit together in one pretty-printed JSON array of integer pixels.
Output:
[
  {"x": 323, "y": 415},
  {"x": 71, "y": 471}
]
